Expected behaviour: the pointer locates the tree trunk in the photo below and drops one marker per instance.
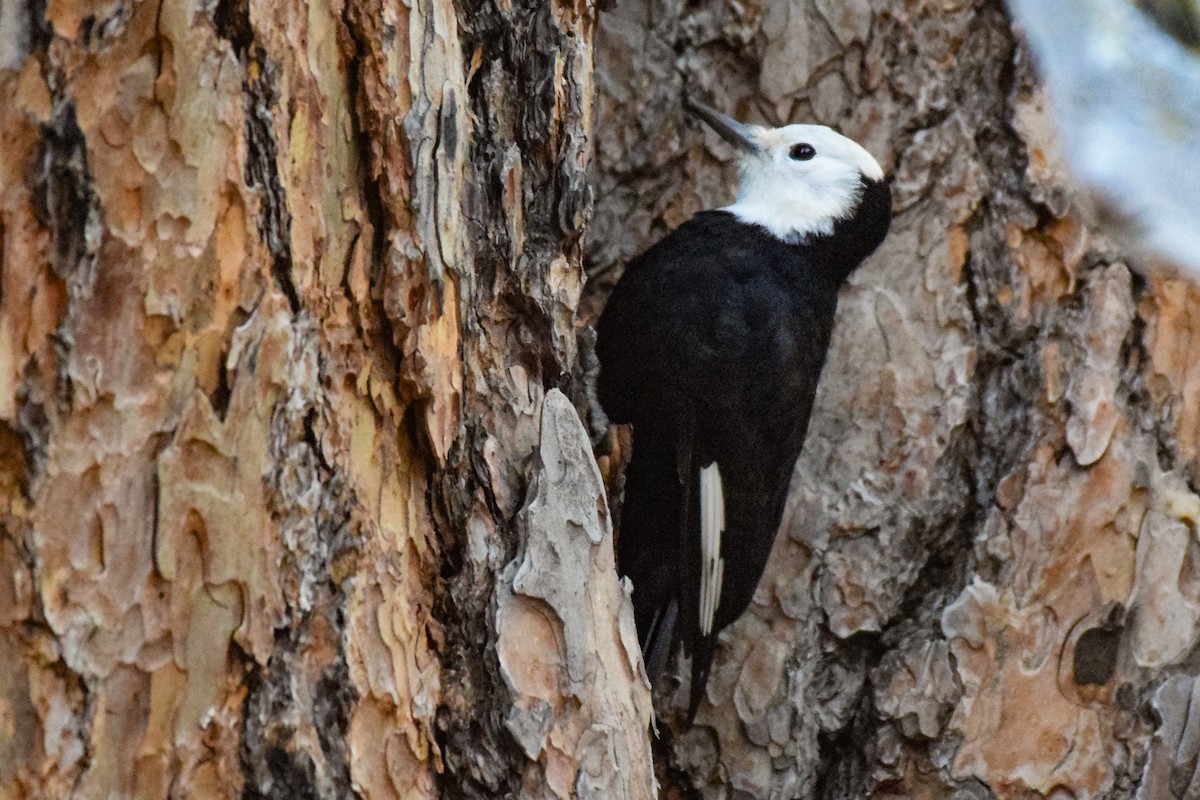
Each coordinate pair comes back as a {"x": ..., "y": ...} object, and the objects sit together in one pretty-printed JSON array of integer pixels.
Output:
[
  {"x": 987, "y": 566},
  {"x": 285, "y": 288},
  {"x": 297, "y": 502}
]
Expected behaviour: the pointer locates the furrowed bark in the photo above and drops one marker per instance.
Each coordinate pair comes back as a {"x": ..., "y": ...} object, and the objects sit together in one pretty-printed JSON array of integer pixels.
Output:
[{"x": 285, "y": 286}]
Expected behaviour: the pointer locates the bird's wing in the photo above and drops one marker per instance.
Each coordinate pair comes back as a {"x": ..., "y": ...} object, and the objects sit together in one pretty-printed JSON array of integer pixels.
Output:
[
  {"x": 731, "y": 518},
  {"x": 715, "y": 364},
  {"x": 751, "y": 367}
]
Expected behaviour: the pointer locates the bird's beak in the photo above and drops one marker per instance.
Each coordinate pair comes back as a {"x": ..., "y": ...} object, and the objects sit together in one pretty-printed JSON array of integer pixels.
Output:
[{"x": 730, "y": 129}]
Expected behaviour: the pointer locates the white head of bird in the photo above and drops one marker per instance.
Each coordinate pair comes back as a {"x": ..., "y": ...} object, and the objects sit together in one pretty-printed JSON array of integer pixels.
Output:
[{"x": 796, "y": 181}]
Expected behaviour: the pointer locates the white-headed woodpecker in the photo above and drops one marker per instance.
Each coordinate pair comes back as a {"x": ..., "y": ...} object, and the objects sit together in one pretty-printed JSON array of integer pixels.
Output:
[{"x": 711, "y": 347}]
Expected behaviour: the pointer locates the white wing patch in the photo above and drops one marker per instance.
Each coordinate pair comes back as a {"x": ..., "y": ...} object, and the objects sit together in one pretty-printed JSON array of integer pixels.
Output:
[{"x": 712, "y": 525}]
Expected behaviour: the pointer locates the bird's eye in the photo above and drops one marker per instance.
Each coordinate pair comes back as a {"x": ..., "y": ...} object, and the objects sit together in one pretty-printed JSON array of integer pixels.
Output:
[{"x": 802, "y": 151}]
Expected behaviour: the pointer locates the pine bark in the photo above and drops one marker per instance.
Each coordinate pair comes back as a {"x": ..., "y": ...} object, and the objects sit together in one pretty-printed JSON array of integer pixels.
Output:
[
  {"x": 296, "y": 493},
  {"x": 287, "y": 293}
]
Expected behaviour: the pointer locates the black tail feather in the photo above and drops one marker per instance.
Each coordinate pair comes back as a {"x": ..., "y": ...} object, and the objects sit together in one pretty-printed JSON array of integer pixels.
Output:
[
  {"x": 648, "y": 548},
  {"x": 659, "y": 549},
  {"x": 703, "y": 649},
  {"x": 656, "y": 646}
]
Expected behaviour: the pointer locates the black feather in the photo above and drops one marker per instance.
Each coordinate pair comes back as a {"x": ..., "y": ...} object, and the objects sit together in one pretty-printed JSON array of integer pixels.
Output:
[{"x": 711, "y": 347}]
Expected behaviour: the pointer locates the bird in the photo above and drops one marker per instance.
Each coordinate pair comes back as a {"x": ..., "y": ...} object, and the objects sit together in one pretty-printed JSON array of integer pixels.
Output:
[{"x": 710, "y": 348}]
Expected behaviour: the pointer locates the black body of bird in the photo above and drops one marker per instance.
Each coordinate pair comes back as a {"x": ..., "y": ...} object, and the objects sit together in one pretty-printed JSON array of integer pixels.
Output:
[{"x": 710, "y": 347}]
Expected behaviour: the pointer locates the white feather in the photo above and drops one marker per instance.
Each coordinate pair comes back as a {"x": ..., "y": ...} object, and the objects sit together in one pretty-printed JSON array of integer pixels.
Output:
[
  {"x": 712, "y": 526},
  {"x": 793, "y": 199}
]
